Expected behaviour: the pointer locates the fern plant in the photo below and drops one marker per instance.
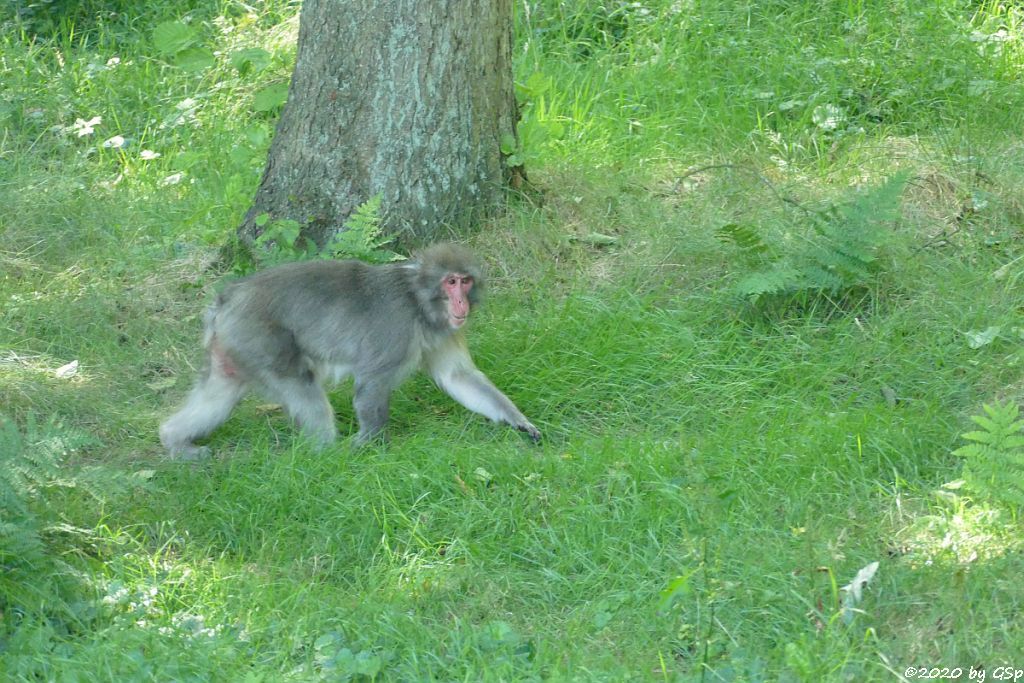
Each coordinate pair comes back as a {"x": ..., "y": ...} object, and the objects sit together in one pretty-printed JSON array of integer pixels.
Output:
[
  {"x": 283, "y": 241},
  {"x": 363, "y": 236},
  {"x": 30, "y": 470},
  {"x": 840, "y": 254},
  {"x": 22, "y": 474},
  {"x": 746, "y": 240},
  {"x": 34, "y": 535},
  {"x": 994, "y": 458}
]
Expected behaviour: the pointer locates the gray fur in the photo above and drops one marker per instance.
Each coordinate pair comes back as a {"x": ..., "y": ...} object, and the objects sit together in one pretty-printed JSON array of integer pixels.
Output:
[{"x": 290, "y": 330}]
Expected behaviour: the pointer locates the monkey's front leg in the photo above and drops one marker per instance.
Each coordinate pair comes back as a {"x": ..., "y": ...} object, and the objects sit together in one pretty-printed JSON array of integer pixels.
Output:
[
  {"x": 472, "y": 389},
  {"x": 452, "y": 368}
]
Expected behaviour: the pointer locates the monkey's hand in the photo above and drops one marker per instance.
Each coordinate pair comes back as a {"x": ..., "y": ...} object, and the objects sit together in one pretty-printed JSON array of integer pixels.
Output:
[{"x": 530, "y": 430}]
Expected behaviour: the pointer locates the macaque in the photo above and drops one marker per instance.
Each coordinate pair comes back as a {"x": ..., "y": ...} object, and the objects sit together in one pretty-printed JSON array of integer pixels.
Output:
[{"x": 290, "y": 330}]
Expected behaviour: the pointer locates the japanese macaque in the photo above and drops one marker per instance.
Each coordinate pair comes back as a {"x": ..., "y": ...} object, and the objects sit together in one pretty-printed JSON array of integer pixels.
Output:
[{"x": 290, "y": 330}]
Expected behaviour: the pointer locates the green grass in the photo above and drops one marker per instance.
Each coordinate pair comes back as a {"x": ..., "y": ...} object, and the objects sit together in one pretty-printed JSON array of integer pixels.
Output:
[{"x": 714, "y": 469}]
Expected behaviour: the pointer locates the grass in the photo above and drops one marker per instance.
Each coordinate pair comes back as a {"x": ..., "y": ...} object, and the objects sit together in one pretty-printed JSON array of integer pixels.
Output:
[{"x": 714, "y": 469}]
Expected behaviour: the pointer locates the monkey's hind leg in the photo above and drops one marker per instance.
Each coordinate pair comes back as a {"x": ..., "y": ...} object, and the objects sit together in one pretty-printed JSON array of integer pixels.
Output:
[
  {"x": 372, "y": 403},
  {"x": 207, "y": 407},
  {"x": 306, "y": 404}
]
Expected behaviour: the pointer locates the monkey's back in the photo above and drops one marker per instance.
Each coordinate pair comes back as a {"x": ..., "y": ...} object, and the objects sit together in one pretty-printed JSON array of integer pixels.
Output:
[{"x": 333, "y": 313}]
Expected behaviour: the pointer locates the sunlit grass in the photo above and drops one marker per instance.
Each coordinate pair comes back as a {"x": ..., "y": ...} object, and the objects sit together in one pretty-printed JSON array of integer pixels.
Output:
[{"x": 714, "y": 472}]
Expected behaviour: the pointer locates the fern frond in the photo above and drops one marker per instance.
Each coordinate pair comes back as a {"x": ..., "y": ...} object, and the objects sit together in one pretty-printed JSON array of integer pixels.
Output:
[
  {"x": 994, "y": 458},
  {"x": 743, "y": 237},
  {"x": 994, "y": 425},
  {"x": 774, "y": 281},
  {"x": 1002, "y": 412},
  {"x": 981, "y": 437},
  {"x": 362, "y": 236},
  {"x": 879, "y": 204},
  {"x": 817, "y": 279},
  {"x": 366, "y": 217}
]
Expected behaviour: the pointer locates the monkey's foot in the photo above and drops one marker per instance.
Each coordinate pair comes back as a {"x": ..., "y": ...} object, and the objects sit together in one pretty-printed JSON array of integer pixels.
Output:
[{"x": 191, "y": 453}]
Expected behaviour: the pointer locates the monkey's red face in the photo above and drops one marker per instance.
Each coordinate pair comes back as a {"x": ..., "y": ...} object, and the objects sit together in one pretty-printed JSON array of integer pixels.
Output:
[{"x": 456, "y": 288}]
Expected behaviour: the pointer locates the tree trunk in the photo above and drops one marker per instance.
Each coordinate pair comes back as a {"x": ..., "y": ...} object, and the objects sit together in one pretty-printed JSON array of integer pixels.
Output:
[{"x": 402, "y": 98}]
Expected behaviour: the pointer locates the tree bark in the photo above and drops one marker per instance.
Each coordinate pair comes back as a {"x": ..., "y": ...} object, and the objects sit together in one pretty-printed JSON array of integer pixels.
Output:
[{"x": 402, "y": 98}]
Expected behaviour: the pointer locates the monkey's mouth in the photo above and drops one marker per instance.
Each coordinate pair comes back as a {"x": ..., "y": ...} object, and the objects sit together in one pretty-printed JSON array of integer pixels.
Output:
[{"x": 457, "y": 320}]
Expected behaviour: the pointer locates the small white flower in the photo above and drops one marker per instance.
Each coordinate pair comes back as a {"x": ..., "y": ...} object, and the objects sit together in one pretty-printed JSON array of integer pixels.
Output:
[
  {"x": 113, "y": 61},
  {"x": 172, "y": 179},
  {"x": 112, "y": 183},
  {"x": 148, "y": 155},
  {"x": 83, "y": 127},
  {"x": 117, "y": 597},
  {"x": 828, "y": 116},
  {"x": 116, "y": 142}
]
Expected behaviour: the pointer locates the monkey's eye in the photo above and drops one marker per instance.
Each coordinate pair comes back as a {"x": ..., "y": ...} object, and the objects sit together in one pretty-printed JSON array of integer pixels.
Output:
[
  {"x": 451, "y": 282},
  {"x": 468, "y": 281}
]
